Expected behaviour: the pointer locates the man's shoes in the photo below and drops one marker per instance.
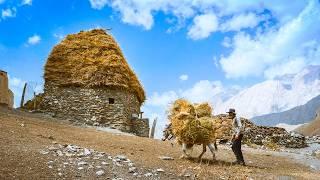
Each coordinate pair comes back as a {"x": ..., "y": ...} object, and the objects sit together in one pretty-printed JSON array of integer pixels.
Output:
[{"x": 239, "y": 162}]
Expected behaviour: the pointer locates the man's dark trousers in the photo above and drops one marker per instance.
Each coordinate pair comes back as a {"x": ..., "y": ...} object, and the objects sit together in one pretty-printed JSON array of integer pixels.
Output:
[{"x": 236, "y": 148}]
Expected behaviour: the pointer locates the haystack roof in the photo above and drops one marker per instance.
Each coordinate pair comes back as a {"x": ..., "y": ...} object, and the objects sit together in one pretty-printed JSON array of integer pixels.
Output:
[{"x": 91, "y": 59}]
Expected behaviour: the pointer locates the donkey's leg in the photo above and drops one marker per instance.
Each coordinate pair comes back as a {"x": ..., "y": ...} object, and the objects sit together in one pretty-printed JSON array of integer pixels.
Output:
[
  {"x": 184, "y": 150},
  {"x": 215, "y": 146},
  {"x": 204, "y": 149},
  {"x": 212, "y": 151}
]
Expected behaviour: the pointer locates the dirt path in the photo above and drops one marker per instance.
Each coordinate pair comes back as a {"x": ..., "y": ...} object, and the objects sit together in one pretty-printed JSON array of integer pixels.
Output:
[{"x": 23, "y": 136}]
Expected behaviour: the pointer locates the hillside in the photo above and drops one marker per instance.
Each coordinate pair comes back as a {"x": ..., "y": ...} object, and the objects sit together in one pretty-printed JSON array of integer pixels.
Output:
[
  {"x": 275, "y": 95},
  {"x": 297, "y": 115},
  {"x": 37, "y": 146},
  {"x": 312, "y": 128}
]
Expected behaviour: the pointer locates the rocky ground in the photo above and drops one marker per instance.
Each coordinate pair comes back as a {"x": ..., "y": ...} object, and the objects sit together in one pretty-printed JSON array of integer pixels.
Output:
[{"x": 40, "y": 147}]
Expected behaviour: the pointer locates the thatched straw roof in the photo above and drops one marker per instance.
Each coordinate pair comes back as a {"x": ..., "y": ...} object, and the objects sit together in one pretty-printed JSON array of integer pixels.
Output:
[{"x": 91, "y": 59}]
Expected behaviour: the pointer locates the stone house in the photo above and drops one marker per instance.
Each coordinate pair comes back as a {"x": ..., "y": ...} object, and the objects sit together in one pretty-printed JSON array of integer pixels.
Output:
[
  {"x": 6, "y": 95},
  {"x": 88, "y": 79}
]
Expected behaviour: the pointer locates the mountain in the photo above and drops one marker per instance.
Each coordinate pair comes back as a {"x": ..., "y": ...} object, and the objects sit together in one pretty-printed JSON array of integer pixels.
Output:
[
  {"x": 297, "y": 115},
  {"x": 312, "y": 128},
  {"x": 276, "y": 95}
]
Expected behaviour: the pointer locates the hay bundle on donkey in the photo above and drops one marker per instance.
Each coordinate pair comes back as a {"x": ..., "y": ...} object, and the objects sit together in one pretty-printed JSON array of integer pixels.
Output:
[
  {"x": 203, "y": 110},
  {"x": 189, "y": 129}
]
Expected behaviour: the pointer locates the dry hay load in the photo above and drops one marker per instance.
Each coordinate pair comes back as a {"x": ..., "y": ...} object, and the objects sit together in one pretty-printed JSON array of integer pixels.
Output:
[
  {"x": 189, "y": 129},
  {"x": 91, "y": 59},
  {"x": 203, "y": 110}
]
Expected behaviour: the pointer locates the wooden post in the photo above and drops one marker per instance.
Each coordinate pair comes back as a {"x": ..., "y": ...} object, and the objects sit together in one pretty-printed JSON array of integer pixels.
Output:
[
  {"x": 34, "y": 100},
  {"x": 153, "y": 128},
  {"x": 23, "y": 93}
]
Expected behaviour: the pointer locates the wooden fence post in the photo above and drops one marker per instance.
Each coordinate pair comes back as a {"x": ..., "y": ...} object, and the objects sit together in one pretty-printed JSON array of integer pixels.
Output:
[
  {"x": 153, "y": 128},
  {"x": 23, "y": 93}
]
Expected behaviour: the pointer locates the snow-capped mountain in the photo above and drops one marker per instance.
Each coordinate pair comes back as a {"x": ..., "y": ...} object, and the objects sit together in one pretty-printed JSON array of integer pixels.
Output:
[
  {"x": 276, "y": 95},
  {"x": 295, "y": 116}
]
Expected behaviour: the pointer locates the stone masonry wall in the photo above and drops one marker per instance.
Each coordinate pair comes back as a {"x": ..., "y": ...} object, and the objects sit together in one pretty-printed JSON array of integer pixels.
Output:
[
  {"x": 6, "y": 96},
  {"x": 91, "y": 106}
]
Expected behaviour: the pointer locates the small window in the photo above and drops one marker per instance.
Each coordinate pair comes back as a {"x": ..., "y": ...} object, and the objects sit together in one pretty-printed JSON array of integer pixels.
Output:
[{"x": 111, "y": 100}]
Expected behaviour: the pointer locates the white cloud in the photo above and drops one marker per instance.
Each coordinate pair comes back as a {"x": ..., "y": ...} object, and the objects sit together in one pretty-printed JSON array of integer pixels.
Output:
[
  {"x": 27, "y": 2},
  {"x": 203, "y": 26},
  {"x": 142, "y": 12},
  {"x": 227, "y": 42},
  {"x": 58, "y": 36},
  {"x": 295, "y": 43},
  {"x": 33, "y": 40},
  {"x": 98, "y": 4},
  {"x": 238, "y": 22},
  {"x": 8, "y": 13},
  {"x": 184, "y": 77}
]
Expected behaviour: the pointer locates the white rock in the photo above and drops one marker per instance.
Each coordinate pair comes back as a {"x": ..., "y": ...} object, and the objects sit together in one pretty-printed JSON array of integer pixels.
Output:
[
  {"x": 121, "y": 157},
  {"x": 53, "y": 148},
  {"x": 100, "y": 173},
  {"x": 104, "y": 163},
  {"x": 82, "y": 163},
  {"x": 22, "y": 125},
  {"x": 59, "y": 153},
  {"x": 160, "y": 170},
  {"x": 98, "y": 167},
  {"x": 86, "y": 152},
  {"x": 148, "y": 174},
  {"x": 166, "y": 158},
  {"x": 80, "y": 168},
  {"x": 135, "y": 174},
  {"x": 131, "y": 164},
  {"x": 50, "y": 167},
  {"x": 60, "y": 174},
  {"x": 44, "y": 152},
  {"x": 132, "y": 170}
]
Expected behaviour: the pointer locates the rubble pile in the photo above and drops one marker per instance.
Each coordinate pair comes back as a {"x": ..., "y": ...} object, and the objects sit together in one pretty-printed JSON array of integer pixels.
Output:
[{"x": 263, "y": 135}]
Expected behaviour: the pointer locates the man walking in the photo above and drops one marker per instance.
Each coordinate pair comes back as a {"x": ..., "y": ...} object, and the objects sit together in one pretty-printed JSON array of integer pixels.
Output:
[{"x": 237, "y": 136}]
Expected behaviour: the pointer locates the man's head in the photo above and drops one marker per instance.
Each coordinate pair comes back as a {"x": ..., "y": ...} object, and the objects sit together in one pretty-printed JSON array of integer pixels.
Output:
[{"x": 232, "y": 113}]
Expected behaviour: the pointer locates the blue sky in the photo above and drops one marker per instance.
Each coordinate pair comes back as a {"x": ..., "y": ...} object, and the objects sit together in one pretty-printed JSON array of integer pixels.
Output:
[{"x": 201, "y": 50}]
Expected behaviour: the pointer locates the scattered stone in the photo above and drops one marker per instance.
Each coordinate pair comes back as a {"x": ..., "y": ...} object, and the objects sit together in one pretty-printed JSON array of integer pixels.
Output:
[
  {"x": 44, "y": 152},
  {"x": 132, "y": 170},
  {"x": 22, "y": 125},
  {"x": 100, "y": 173},
  {"x": 167, "y": 158},
  {"x": 82, "y": 163},
  {"x": 130, "y": 164},
  {"x": 59, "y": 153},
  {"x": 121, "y": 157},
  {"x": 148, "y": 174},
  {"x": 86, "y": 152},
  {"x": 104, "y": 163}
]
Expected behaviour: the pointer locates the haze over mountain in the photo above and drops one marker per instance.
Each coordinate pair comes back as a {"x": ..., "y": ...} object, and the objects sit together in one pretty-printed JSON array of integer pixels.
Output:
[
  {"x": 276, "y": 95},
  {"x": 297, "y": 115}
]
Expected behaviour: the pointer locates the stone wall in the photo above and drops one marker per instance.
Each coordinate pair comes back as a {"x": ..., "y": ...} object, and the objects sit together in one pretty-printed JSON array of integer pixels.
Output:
[
  {"x": 92, "y": 106},
  {"x": 6, "y": 96}
]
